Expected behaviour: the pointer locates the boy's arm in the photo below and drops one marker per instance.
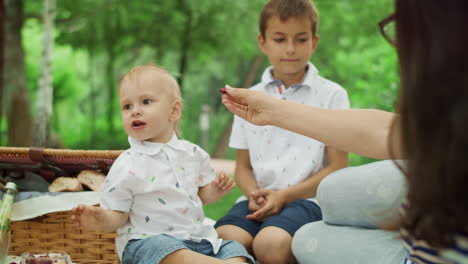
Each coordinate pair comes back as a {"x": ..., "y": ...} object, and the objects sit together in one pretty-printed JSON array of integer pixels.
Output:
[
  {"x": 93, "y": 218},
  {"x": 277, "y": 199},
  {"x": 245, "y": 179},
  {"x": 244, "y": 176}
]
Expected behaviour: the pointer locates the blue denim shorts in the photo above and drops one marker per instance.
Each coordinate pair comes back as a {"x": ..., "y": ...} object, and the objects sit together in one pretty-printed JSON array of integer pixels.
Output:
[
  {"x": 291, "y": 218},
  {"x": 153, "y": 249}
]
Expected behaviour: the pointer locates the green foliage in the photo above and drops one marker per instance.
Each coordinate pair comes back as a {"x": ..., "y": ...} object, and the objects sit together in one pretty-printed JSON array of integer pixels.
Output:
[
  {"x": 222, "y": 45},
  {"x": 98, "y": 41}
]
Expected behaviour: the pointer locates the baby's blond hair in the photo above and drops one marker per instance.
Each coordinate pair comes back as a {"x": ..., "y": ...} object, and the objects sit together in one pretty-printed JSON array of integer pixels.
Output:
[{"x": 173, "y": 90}]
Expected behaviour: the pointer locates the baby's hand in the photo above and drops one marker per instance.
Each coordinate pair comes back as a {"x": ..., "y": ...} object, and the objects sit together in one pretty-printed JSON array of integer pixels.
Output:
[
  {"x": 87, "y": 217},
  {"x": 224, "y": 183},
  {"x": 219, "y": 187}
]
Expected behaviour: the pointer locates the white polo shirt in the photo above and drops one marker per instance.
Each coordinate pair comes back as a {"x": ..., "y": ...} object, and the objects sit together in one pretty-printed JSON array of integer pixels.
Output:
[
  {"x": 158, "y": 185},
  {"x": 281, "y": 158}
]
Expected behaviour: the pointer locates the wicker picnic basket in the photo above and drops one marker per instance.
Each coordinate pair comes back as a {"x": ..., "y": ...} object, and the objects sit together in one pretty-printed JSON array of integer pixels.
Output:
[
  {"x": 55, "y": 231},
  {"x": 51, "y": 163}
]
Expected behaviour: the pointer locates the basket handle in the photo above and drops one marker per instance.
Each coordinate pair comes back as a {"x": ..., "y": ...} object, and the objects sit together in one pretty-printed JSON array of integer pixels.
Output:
[
  {"x": 48, "y": 168},
  {"x": 37, "y": 154}
]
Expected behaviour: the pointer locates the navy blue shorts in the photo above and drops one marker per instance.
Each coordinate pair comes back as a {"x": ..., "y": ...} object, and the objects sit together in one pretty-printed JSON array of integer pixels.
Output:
[{"x": 291, "y": 218}]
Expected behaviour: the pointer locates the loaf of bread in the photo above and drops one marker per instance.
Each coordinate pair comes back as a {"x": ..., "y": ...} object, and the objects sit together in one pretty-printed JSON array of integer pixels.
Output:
[
  {"x": 65, "y": 184},
  {"x": 92, "y": 179}
]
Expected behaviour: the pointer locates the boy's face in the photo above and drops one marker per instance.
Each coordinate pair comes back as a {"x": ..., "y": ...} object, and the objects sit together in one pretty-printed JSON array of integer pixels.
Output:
[
  {"x": 288, "y": 44},
  {"x": 148, "y": 109}
]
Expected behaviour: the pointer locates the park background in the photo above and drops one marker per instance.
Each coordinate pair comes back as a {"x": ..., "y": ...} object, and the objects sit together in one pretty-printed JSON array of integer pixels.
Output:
[{"x": 62, "y": 59}]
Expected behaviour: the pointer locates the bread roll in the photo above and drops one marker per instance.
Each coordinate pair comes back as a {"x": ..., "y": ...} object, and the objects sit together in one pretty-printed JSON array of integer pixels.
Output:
[
  {"x": 65, "y": 184},
  {"x": 92, "y": 179}
]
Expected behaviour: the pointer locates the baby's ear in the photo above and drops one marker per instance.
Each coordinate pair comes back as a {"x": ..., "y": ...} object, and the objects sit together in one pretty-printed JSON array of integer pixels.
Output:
[
  {"x": 176, "y": 111},
  {"x": 261, "y": 42}
]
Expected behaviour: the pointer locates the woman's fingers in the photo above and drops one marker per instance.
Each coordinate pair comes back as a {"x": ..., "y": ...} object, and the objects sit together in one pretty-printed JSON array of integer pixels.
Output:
[{"x": 234, "y": 107}]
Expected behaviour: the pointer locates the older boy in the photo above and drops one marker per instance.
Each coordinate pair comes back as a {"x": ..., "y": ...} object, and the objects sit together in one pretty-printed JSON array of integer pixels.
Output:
[{"x": 279, "y": 171}]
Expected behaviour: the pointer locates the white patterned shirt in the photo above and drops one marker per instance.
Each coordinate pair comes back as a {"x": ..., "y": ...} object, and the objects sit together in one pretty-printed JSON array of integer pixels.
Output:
[
  {"x": 157, "y": 184},
  {"x": 281, "y": 158}
]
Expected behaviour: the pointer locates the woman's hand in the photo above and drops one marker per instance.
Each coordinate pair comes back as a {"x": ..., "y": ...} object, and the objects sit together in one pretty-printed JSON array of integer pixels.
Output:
[{"x": 253, "y": 106}]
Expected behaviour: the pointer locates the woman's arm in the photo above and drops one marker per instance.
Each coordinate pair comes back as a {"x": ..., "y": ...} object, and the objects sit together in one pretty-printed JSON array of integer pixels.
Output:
[{"x": 362, "y": 131}]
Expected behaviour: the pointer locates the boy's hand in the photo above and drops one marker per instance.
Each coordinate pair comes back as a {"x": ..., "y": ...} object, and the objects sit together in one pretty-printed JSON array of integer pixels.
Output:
[
  {"x": 274, "y": 203},
  {"x": 255, "y": 203},
  {"x": 88, "y": 217}
]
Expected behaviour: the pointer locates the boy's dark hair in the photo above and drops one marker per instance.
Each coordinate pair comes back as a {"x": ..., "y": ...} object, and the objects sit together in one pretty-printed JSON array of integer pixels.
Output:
[
  {"x": 433, "y": 103},
  {"x": 285, "y": 9}
]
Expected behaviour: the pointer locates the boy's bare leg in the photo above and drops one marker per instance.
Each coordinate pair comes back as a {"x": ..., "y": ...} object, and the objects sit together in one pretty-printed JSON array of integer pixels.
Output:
[
  {"x": 272, "y": 245},
  {"x": 186, "y": 256},
  {"x": 232, "y": 232}
]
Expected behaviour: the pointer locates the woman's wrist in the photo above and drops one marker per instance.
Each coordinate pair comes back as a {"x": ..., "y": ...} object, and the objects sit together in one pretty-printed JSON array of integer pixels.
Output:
[{"x": 276, "y": 113}]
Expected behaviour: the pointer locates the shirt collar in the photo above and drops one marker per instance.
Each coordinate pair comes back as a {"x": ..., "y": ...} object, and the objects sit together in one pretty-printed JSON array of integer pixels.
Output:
[
  {"x": 309, "y": 76},
  {"x": 152, "y": 148}
]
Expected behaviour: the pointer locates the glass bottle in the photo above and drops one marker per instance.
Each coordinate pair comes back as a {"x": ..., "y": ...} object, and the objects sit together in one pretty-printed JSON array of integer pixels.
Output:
[{"x": 5, "y": 213}]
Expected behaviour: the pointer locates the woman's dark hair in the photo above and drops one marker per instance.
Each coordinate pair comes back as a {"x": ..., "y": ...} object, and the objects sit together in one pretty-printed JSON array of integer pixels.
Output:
[{"x": 432, "y": 44}]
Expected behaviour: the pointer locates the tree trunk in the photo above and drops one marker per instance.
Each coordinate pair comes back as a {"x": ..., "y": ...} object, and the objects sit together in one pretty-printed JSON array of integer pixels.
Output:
[
  {"x": 19, "y": 114},
  {"x": 45, "y": 89},
  {"x": 2, "y": 60},
  {"x": 110, "y": 88},
  {"x": 92, "y": 93},
  {"x": 109, "y": 42},
  {"x": 186, "y": 42},
  {"x": 221, "y": 146}
]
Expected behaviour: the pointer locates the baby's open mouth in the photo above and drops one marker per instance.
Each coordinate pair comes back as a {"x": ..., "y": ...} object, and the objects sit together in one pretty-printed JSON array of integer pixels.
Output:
[{"x": 138, "y": 124}]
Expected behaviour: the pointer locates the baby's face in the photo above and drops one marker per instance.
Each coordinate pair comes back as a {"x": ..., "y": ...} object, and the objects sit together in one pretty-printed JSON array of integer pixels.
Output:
[{"x": 146, "y": 106}]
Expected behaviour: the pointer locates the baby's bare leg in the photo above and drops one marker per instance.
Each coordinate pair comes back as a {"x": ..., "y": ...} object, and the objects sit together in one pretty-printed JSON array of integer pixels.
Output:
[{"x": 186, "y": 256}]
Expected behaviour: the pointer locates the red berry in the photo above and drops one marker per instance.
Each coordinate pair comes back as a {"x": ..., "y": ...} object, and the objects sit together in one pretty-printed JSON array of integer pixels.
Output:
[{"x": 222, "y": 90}]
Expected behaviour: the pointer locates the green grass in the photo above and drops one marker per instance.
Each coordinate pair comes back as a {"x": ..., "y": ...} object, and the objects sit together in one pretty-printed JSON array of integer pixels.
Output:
[{"x": 217, "y": 210}]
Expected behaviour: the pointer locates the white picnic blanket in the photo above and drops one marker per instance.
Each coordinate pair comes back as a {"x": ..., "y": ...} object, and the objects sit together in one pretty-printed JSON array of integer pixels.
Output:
[
  {"x": 38, "y": 204},
  {"x": 33, "y": 204}
]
